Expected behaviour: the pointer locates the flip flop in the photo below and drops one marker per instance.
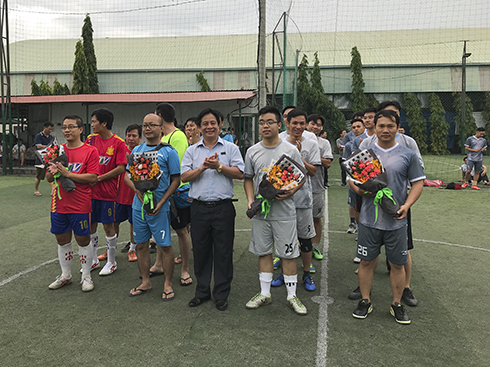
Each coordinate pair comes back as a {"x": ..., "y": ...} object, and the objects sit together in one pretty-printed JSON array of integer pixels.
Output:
[
  {"x": 136, "y": 289},
  {"x": 37, "y": 194},
  {"x": 167, "y": 298},
  {"x": 155, "y": 274},
  {"x": 183, "y": 281},
  {"x": 178, "y": 260}
]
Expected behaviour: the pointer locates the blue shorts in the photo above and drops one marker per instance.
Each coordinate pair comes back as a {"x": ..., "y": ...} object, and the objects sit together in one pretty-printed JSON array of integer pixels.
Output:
[
  {"x": 123, "y": 213},
  {"x": 103, "y": 211},
  {"x": 62, "y": 223},
  {"x": 156, "y": 225}
]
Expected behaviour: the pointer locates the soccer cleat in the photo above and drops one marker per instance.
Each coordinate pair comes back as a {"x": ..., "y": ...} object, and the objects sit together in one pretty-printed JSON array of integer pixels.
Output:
[
  {"x": 277, "y": 263},
  {"x": 309, "y": 284},
  {"x": 355, "y": 294},
  {"x": 94, "y": 266},
  {"x": 258, "y": 300},
  {"x": 108, "y": 269},
  {"x": 312, "y": 269},
  {"x": 362, "y": 310},
  {"x": 352, "y": 228},
  {"x": 60, "y": 282},
  {"x": 277, "y": 282},
  {"x": 465, "y": 185},
  {"x": 102, "y": 257},
  {"x": 317, "y": 254},
  {"x": 126, "y": 248},
  {"x": 132, "y": 256},
  {"x": 356, "y": 260},
  {"x": 297, "y": 306},
  {"x": 474, "y": 187},
  {"x": 398, "y": 312},
  {"x": 87, "y": 285},
  {"x": 409, "y": 298}
]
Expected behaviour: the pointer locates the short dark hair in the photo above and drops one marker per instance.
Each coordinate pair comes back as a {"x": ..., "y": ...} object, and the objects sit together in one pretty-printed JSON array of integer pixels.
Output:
[
  {"x": 270, "y": 109},
  {"x": 77, "y": 119},
  {"x": 165, "y": 111},
  {"x": 480, "y": 129},
  {"x": 385, "y": 104},
  {"x": 48, "y": 124},
  {"x": 221, "y": 117},
  {"x": 370, "y": 110},
  {"x": 315, "y": 117},
  {"x": 358, "y": 114},
  {"x": 357, "y": 119},
  {"x": 287, "y": 108},
  {"x": 104, "y": 115},
  {"x": 295, "y": 112},
  {"x": 392, "y": 115},
  {"x": 134, "y": 127},
  {"x": 193, "y": 119},
  {"x": 205, "y": 112},
  {"x": 465, "y": 157}
]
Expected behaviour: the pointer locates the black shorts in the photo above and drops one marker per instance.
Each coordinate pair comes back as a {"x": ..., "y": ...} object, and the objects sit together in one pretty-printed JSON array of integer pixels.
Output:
[
  {"x": 183, "y": 218},
  {"x": 40, "y": 173},
  {"x": 409, "y": 230},
  {"x": 358, "y": 203}
]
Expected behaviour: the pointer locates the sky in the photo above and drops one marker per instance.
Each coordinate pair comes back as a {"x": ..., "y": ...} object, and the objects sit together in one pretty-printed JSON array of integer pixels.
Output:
[{"x": 47, "y": 19}]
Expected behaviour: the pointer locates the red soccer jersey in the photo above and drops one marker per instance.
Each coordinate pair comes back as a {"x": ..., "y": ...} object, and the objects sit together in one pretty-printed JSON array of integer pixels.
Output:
[
  {"x": 124, "y": 194},
  {"x": 112, "y": 152},
  {"x": 84, "y": 159}
]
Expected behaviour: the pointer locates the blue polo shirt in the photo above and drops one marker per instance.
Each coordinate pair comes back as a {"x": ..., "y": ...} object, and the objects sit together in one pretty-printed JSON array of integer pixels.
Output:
[{"x": 42, "y": 139}]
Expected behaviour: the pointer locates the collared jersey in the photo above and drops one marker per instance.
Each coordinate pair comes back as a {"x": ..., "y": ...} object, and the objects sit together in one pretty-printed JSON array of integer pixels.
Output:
[
  {"x": 211, "y": 185},
  {"x": 83, "y": 159},
  {"x": 125, "y": 195},
  {"x": 475, "y": 143},
  {"x": 112, "y": 152}
]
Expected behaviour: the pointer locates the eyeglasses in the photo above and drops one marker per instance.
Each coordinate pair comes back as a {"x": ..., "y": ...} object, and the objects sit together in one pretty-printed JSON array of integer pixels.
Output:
[
  {"x": 150, "y": 126},
  {"x": 70, "y": 127},
  {"x": 268, "y": 122}
]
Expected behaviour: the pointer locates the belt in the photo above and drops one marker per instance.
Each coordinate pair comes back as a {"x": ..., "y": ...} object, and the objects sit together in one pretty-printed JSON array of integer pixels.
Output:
[{"x": 212, "y": 204}]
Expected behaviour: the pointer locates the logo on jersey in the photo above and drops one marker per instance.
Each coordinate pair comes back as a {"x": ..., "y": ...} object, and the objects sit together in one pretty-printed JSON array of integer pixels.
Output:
[
  {"x": 74, "y": 167},
  {"x": 110, "y": 151},
  {"x": 104, "y": 160}
]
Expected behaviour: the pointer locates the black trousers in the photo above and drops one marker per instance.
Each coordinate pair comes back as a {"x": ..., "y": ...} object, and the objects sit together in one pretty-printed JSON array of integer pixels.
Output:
[
  {"x": 342, "y": 172},
  {"x": 213, "y": 233}
]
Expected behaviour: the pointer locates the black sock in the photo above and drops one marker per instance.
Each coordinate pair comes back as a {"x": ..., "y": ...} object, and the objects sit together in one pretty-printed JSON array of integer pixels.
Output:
[
  {"x": 353, "y": 221},
  {"x": 306, "y": 274}
]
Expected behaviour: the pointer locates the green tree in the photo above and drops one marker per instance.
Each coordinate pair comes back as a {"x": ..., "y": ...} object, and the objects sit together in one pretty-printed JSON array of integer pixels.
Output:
[
  {"x": 45, "y": 88},
  {"x": 486, "y": 108},
  {"x": 80, "y": 71},
  {"x": 203, "y": 82},
  {"x": 66, "y": 90},
  {"x": 469, "y": 126},
  {"x": 89, "y": 50},
  {"x": 304, "y": 89},
  {"x": 438, "y": 126},
  {"x": 35, "y": 90},
  {"x": 416, "y": 121},
  {"x": 57, "y": 87},
  {"x": 360, "y": 101}
]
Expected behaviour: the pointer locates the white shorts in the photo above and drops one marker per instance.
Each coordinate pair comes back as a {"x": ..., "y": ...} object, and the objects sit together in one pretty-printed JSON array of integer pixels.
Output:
[
  {"x": 318, "y": 205},
  {"x": 304, "y": 223},
  {"x": 281, "y": 232}
]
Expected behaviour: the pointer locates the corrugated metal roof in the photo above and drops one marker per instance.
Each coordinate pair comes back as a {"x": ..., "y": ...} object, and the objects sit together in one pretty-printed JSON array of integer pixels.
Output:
[{"x": 407, "y": 47}]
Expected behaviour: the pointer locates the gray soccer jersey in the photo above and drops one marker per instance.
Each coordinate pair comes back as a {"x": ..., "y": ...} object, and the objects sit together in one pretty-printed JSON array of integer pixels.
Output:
[
  {"x": 258, "y": 159},
  {"x": 475, "y": 143},
  {"x": 306, "y": 134},
  {"x": 310, "y": 152},
  {"x": 402, "y": 166},
  {"x": 401, "y": 139},
  {"x": 317, "y": 184}
]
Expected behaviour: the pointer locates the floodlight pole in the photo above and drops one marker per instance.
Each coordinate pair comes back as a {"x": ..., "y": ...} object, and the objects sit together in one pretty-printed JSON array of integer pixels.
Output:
[
  {"x": 462, "y": 130},
  {"x": 261, "y": 56},
  {"x": 5, "y": 90}
]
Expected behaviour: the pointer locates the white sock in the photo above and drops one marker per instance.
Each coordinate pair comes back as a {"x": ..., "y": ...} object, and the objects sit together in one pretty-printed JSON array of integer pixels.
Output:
[
  {"x": 65, "y": 256},
  {"x": 86, "y": 254},
  {"x": 94, "y": 242},
  {"x": 132, "y": 246},
  {"x": 291, "y": 281},
  {"x": 315, "y": 245},
  {"x": 111, "y": 249},
  {"x": 265, "y": 283}
]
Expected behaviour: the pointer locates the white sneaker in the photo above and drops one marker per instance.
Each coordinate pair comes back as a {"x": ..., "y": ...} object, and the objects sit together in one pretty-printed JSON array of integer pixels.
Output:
[
  {"x": 258, "y": 300},
  {"x": 60, "y": 282},
  {"x": 87, "y": 285},
  {"x": 108, "y": 269},
  {"x": 356, "y": 260},
  {"x": 352, "y": 228},
  {"x": 297, "y": 306},
  {"x": 94, "y": 266}
]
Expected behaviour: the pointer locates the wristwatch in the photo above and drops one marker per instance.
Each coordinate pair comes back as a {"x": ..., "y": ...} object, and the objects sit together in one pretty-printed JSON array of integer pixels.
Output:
[{"x": 220, "y": 168}]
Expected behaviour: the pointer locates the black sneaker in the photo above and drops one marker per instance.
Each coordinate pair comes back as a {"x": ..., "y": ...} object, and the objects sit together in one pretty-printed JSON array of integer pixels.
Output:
[
  {"x": 355, "y": 294},
  {"x": 398, "y": 312},
  {"x": 408, "y": 298},
  {"x": 362, "y": 310},
  {"x": 153, "y": 247},
  {"x": 126, "y": 248}
]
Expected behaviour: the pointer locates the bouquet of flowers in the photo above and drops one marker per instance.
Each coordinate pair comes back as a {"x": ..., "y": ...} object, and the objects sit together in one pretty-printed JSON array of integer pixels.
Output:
[
  {"x": 281, "y": 176},
  {"x": 368, "y": 173},
  {"x": 54, "y": 153},
  {"x": 145, "y": 174}
]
